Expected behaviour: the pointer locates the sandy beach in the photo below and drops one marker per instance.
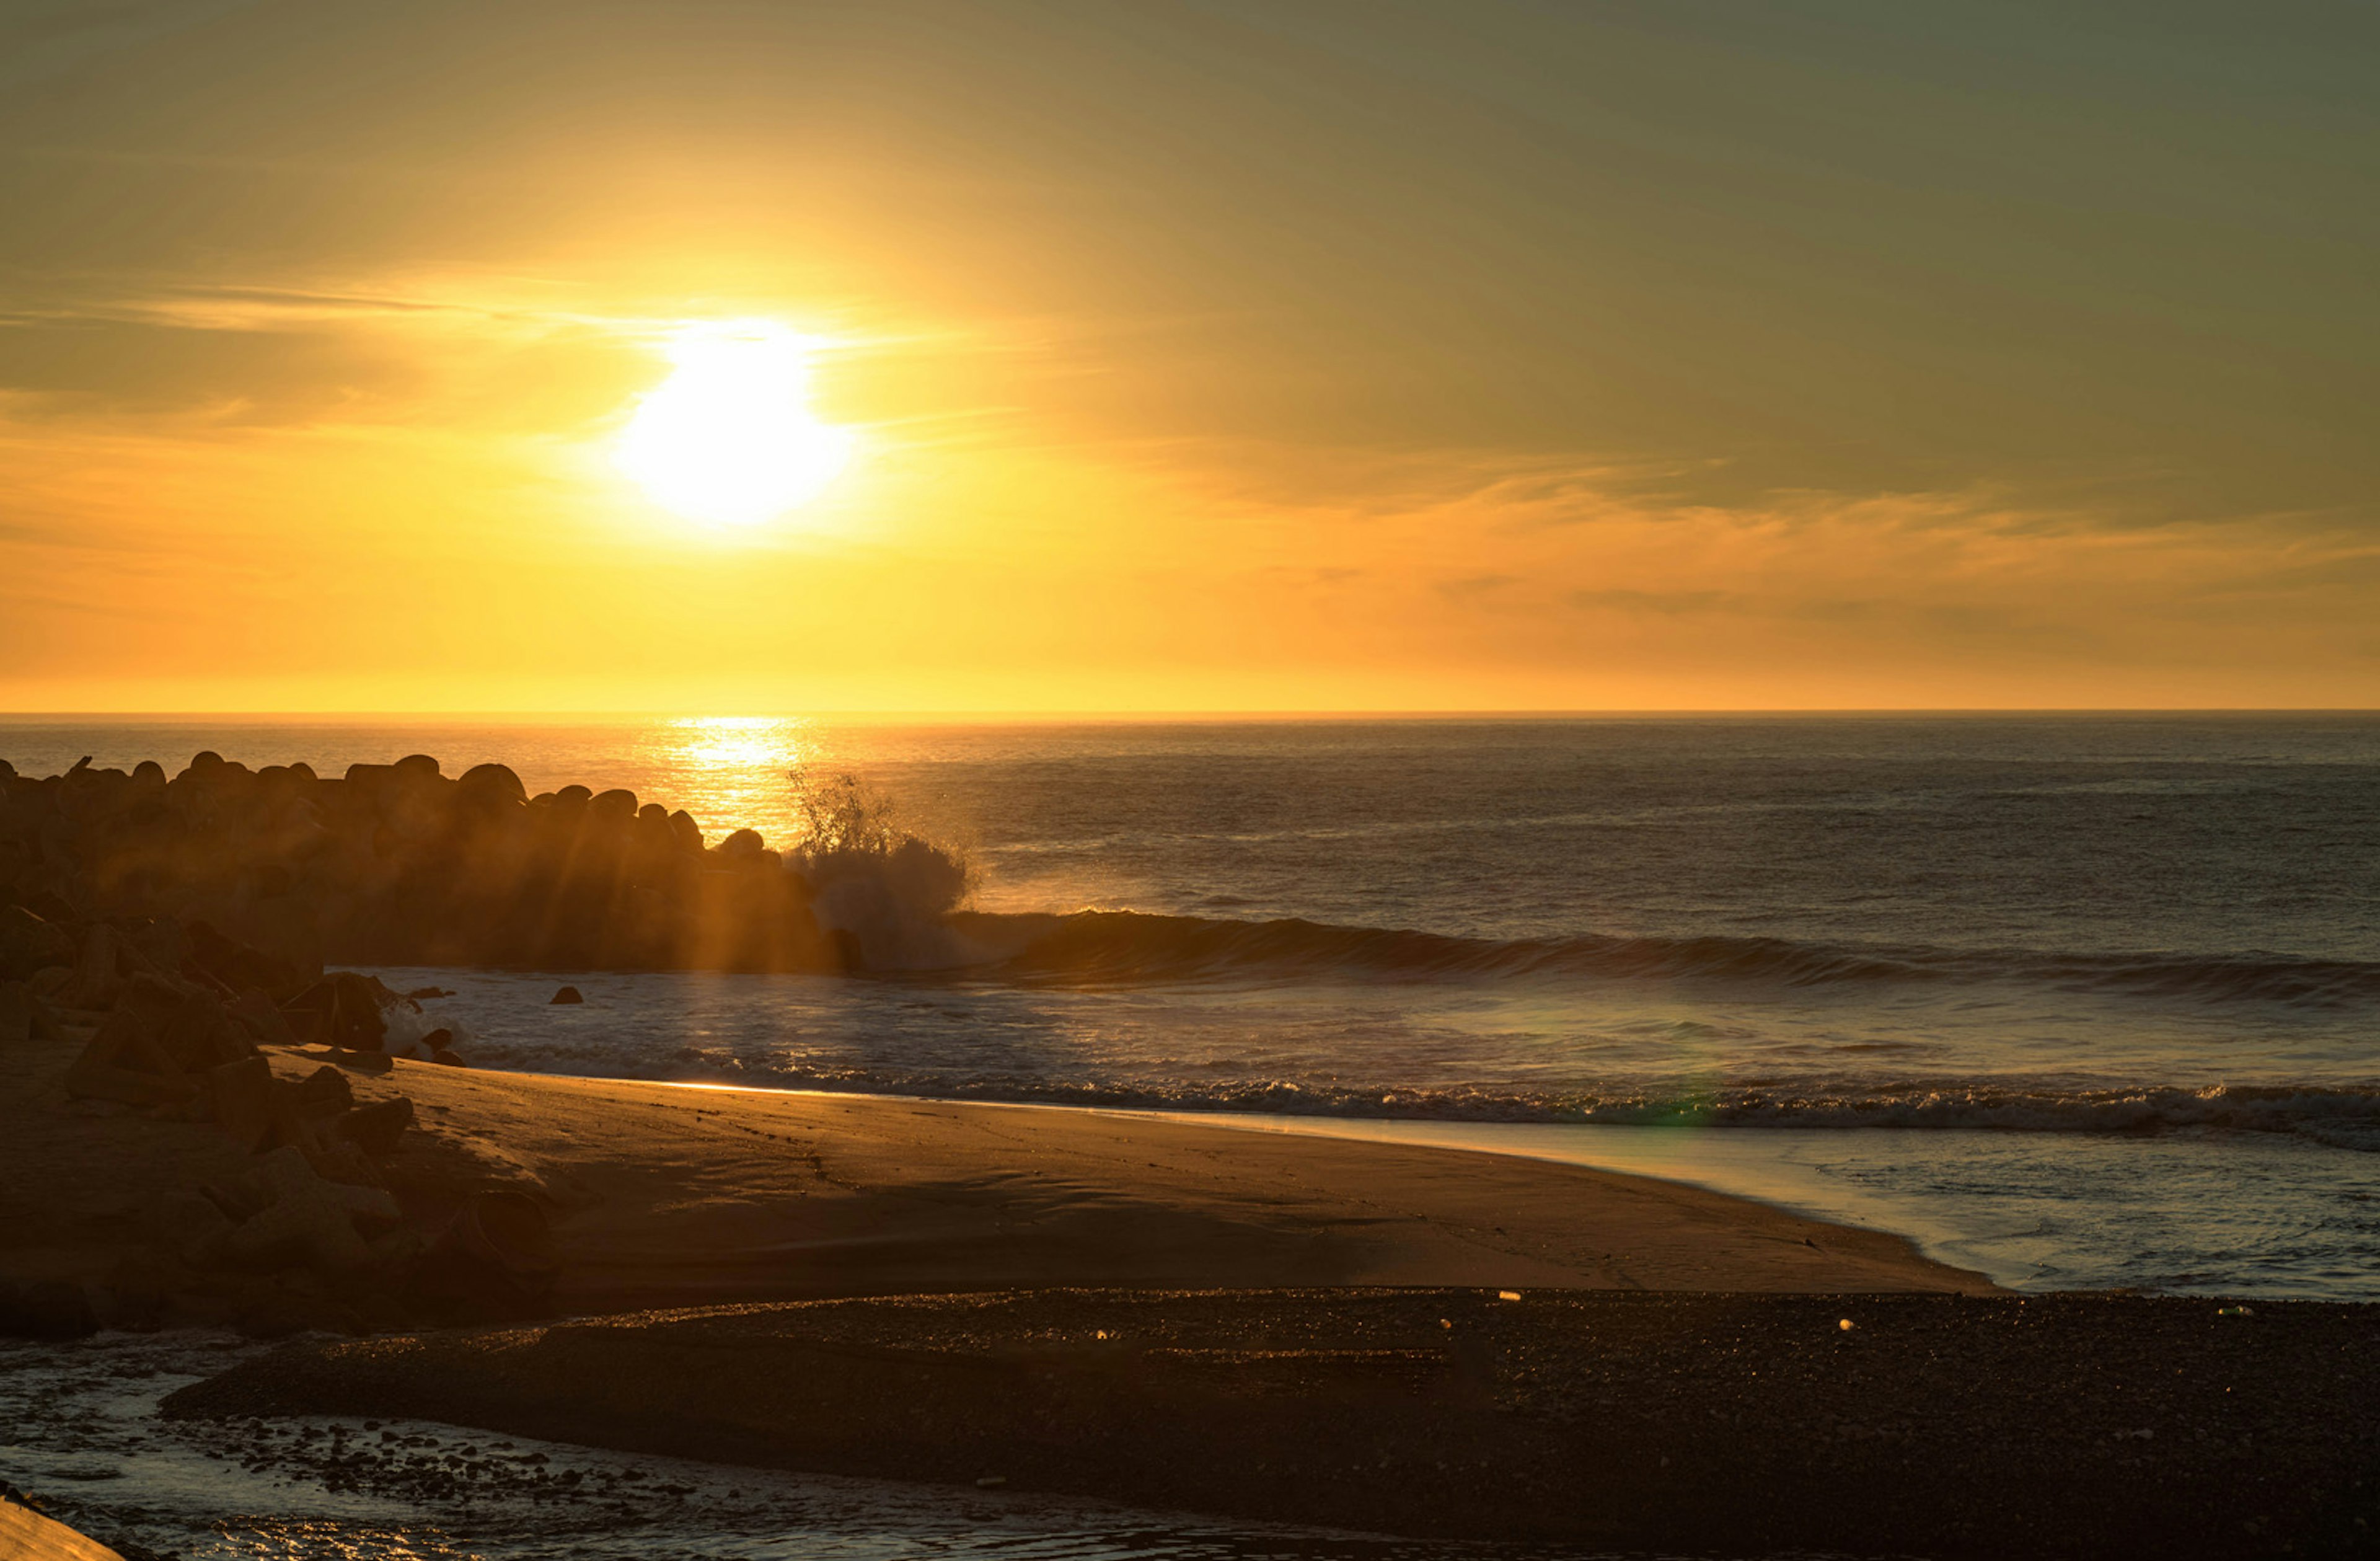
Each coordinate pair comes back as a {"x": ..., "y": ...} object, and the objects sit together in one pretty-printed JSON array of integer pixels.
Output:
[
  {"x": 1410, "y": 1340},
  {"x": 661, "y": 1195}
]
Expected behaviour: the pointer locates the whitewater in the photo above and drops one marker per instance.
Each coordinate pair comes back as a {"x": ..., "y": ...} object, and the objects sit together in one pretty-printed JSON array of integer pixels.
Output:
[{"x": 2081, "y": 1001}]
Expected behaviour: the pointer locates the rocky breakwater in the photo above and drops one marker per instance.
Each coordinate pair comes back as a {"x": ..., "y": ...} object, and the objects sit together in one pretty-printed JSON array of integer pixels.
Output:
[
  {"x": 402, "y": 864},
  {"x": 182, "y": 1139}
]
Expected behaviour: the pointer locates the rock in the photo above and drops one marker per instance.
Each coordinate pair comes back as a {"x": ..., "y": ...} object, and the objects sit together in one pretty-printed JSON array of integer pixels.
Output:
[
  {"x": 241, "y": 967},
  {"x": 125, "y": 1061},
  {"x": 445, "y": 1058},
  {"x": 566, "y": 994},
  {"x": 31, "y": 943},
  {"x": 489, "y": 786},
  {"x": 496, "y": 1258},
  {"x": 375, "y": 1129},
  {"x": 308, "y": 1216},
  {"x": 253, "y": 1011},
  {"x": 323, "y": 1093},
  {"x": 342, "y": 1010},
  {"x": 96, "y": 971},
  {"x": 197, "y": 1033},
  {"x": 47, "y": 1309},
  {"x": 190, "y": 1225},
  {"x": 244, "y": 1096},
  {"x": 613, "y": 808}
]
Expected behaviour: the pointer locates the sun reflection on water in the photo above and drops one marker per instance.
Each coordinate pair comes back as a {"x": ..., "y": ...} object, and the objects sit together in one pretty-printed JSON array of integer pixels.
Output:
[{"x": 731, "y": 772}]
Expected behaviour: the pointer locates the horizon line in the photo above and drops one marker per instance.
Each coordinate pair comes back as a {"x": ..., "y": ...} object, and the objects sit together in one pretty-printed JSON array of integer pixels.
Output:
[{"x": 1217, "y": 714}]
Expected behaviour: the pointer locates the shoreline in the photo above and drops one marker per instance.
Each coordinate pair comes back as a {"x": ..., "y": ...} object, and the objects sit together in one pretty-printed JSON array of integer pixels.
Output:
[
  {"x": 1807, "y": 1200},
  {"x": 667, "y": 1195}
]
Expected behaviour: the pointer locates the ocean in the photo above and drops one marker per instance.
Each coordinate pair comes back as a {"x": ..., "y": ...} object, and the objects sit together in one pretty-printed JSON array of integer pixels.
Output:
[{"x": 2080, "y": 1001}]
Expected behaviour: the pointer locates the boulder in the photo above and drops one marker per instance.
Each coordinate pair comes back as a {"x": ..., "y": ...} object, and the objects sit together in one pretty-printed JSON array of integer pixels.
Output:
[
  {"x": 47, "y": 1309},
  {"x": 375, "y": 1129},
  {"x": 342, "y": 1010},
  {"x": 324, "y": 1092},
  {"x": 238, "y": 966},
  {"x": 97, "y": 972},
  {"x": 613, "y": 809},
  {"x": 253, "y": 1011},
  {"x": 490, "y": 786},
  {"x": 307, "y": 1219},
  {"x": 127, "y": 1061},
  {"x": 190, "y": 1225},
  {"x": 245, "y": 1097},
  {"x": 30, "y": 942},
  {"x": 564, "y": 994},
  {"x": 494, "y": 1259}
]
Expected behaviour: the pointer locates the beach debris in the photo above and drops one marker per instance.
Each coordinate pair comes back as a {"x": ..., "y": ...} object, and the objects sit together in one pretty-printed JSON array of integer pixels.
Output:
[
  {"x": 566, "y": 994},
  {"x": 1844, "y": 1324},
  {"x": 2235, "y": 1312},
  {"x": 1508, "y": 1295},
  {"x": 991, "y": 1481},
  {"x": 27, "y": 1530}
]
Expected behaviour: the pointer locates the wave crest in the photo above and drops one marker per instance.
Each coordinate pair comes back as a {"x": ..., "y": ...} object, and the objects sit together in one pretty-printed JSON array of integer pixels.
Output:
[{"x": 1132, "y": 946}]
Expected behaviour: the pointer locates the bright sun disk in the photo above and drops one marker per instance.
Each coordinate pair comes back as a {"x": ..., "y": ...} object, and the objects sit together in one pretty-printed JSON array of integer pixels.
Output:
[{"x": 729, "y": 437}]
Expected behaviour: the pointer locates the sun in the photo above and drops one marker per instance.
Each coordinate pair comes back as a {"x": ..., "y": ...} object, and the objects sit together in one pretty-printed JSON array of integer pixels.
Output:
[{"x": 729, "y": 437}]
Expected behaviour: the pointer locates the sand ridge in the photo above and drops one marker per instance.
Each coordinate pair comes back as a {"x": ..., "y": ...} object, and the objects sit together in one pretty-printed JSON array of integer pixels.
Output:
[{"x": 684, "y": 1196}]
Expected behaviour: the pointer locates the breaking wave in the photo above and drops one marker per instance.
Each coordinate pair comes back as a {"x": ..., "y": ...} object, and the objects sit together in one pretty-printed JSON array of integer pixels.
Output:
[
  {"x": 1131, "y": 946},
  {"x": 2346, "y": 1117}
]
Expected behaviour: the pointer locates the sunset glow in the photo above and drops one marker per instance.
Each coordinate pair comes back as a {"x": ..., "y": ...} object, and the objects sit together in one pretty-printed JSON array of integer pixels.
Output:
[
  {"x": 729, "y": 436},
  {"x": 1182, "y": 359}
]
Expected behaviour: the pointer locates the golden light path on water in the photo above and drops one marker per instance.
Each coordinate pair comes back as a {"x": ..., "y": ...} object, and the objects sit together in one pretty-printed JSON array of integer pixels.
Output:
[{"x": 729, "y": 772}]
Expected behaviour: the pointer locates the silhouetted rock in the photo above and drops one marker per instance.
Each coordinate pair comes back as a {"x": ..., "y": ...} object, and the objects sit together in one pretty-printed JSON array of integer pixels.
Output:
[
  {"x": 271, "y": 872},
  {"x": 29, "y": 942},
  {"x": 47, "y": 1309},
  {"x": 375, "y": 1129},
  {"x": 566, "y": 994}
]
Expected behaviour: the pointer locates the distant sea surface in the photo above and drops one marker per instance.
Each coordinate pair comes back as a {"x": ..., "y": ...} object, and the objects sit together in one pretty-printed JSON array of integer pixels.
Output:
[{"x": 2080, "y": 1001}]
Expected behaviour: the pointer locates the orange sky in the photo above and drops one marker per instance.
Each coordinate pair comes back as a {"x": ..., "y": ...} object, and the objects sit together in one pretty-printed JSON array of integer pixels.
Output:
[{"x": 1216, "y": 358}]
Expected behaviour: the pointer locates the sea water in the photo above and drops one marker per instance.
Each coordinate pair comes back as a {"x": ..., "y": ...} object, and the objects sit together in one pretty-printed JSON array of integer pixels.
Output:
[
  {"x": 2077, "y": 1001},
  {"x": 2080, "y": 1001}
]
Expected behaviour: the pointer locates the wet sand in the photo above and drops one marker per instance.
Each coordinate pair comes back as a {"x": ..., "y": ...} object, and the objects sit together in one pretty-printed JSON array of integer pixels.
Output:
[{"x": 1938, "y": 1425}]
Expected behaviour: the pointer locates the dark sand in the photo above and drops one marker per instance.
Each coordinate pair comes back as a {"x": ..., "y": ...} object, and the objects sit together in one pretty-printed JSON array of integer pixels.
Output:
[{"x": 1937, "y": 1425}]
